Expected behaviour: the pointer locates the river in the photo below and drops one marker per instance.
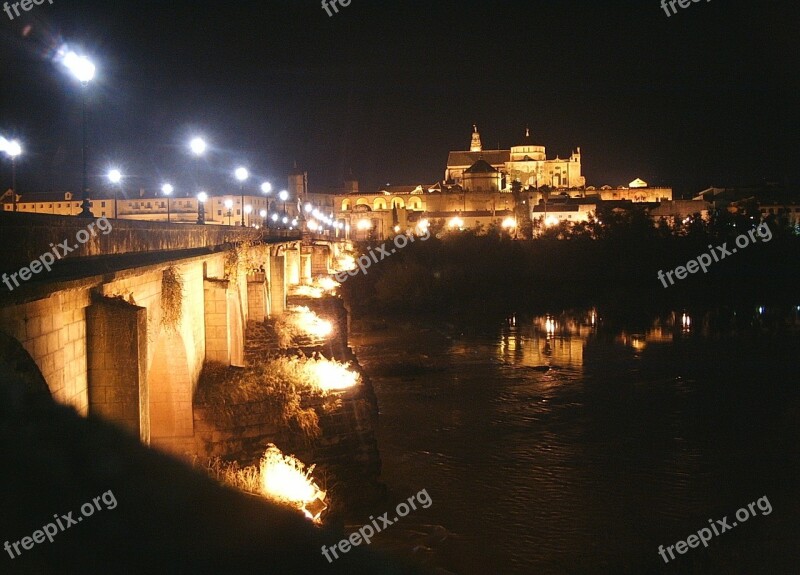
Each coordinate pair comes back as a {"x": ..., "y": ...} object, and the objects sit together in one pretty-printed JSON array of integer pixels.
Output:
[{"x": 573, "y": 443}]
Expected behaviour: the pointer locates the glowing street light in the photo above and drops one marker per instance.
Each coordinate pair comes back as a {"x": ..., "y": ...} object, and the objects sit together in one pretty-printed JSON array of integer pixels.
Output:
[
  {"x": 80, "y": 66},
  {"x": 242, "y": 174},
  {"x": 263, "y": 214},
  {"x": 456, "y": 223},
  {"x": 284, "y": 195},
  {"x": 115, "y": 177},
  {"x": 266, "y": 187},
  {"x": 12, "y": 149},
  {"x": 83, "y": 70},
  {"x": 248, "y": 209},
  {"x": 202, "y": 198},
  {"x": 198, "y": 146},
  {"x": 229, "y": 207},
  {"x": 167, "y": 190}
]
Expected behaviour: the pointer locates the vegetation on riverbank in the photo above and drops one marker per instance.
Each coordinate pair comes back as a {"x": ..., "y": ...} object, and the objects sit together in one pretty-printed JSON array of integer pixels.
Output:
[
  {"x": 284, "y": 383},
  {"x": 610, "y": 264}
]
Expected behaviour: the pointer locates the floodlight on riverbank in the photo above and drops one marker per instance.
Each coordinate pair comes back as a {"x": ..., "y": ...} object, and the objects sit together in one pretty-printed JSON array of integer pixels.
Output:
[{"x": 284, "y": 478}]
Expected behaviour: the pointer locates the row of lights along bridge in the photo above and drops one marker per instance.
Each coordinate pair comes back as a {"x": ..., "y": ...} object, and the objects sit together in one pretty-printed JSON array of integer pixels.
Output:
[{"x": 84, "y": 70}]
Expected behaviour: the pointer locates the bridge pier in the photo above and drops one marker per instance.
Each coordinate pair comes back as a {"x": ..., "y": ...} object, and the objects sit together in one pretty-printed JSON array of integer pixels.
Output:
[
  {"x": 293, "y": 266},
  {"x": 277, "y": 285},
  {"x": 116, "y": 337},
  {"x": 223, "y": 322},
  {"x": 257, "y": 303}
]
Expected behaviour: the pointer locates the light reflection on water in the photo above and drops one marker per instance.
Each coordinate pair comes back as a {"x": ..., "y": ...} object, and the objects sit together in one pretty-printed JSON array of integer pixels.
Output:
[{"x": 555, "y": 444}]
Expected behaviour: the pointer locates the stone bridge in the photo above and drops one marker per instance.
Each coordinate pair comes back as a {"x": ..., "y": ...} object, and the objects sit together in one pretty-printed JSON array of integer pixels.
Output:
[{"x": 121, "y": 326}]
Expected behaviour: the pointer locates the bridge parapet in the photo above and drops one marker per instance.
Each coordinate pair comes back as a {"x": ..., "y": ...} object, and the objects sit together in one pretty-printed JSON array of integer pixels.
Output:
[{"x": 24, "y": 237}]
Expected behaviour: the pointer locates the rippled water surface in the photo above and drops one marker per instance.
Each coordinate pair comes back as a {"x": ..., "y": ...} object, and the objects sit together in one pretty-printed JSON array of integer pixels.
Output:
[{"x": 560, "y": 444}]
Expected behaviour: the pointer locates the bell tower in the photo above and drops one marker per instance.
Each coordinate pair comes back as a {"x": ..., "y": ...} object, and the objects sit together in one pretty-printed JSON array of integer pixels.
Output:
[{"x": 476, "y": 145}]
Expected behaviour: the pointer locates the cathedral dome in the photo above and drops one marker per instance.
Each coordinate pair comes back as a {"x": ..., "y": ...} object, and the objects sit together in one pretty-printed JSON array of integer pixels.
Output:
[{"x": 480, "y": 167}]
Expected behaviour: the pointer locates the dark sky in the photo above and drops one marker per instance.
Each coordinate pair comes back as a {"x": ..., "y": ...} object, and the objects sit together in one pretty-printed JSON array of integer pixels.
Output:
[{"x": 385, "y": 89}]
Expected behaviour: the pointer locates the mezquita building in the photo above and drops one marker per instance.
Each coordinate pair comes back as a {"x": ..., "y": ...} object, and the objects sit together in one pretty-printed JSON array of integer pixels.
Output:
[
  {"x": 526, "y": 163},
  {"x": 476, "y": 193}
]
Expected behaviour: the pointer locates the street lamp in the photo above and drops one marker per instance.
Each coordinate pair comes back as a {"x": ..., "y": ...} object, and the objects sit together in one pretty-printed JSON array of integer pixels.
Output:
[
  {"x": 263, "y": 214},
  {"x": 198, "y": 147},
  {"x": 201, "y": 207},
  {"x": 248, "y": 209},
  {"x": 242, "y": 174},
  {"x": 12, "y": 149},
  {"x": 229, "y": 206},
  {"x": 284, "y": 195},
  {"x": 115, "y": 177},
  {"x": 266, "y": 187},
  {"x": 83, "y": 70},
  {"x": 167, "y": 190}
]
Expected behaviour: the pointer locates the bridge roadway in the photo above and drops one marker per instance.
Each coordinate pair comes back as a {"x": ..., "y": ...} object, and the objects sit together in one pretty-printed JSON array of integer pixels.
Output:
[{"x": 96, "y": 326}]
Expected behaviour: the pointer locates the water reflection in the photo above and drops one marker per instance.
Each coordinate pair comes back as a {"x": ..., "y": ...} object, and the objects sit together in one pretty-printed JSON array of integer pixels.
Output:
[
  {"x": 547, "y": 340},
  {"x": 576, "y": 443}
]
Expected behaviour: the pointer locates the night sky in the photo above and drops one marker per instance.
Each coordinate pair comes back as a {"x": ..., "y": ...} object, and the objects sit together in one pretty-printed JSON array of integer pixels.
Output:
[{"x": 384, "y": 90}]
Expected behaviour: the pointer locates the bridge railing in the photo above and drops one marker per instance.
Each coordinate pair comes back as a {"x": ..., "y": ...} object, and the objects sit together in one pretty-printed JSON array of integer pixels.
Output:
[{"x": 25, "y": 237}]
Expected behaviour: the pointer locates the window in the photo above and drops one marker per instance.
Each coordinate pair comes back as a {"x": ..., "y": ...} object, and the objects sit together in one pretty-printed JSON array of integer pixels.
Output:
[
  {"x": 148, "y": 205},
  {"x": 219, "y": 212},
  {"x": 102, "y": 204}
]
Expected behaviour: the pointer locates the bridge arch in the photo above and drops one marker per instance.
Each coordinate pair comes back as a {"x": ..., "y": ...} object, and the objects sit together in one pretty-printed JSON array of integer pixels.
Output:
[
  {"x": 15, "y": 360},
  {"x": 170, "y": 389}
]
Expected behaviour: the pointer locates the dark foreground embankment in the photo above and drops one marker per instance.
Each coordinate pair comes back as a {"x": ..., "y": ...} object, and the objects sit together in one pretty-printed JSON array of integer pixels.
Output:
[{"x": 168, "y": 518}]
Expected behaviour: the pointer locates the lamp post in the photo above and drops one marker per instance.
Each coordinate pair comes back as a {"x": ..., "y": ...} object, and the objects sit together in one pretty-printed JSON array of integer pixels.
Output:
[
  {"x": 201, "y": 207},
  {"x": 263, "y": 214},
  {"x": 248, "y": 209},
  {"x": 242, "y": 174},
  {"x": 167, "y": 190},
  {"x": 229, "y": 207},
  {"x": 284, "y": 195},
  {"x": 266, "y": 189},
  {"x": 82, "y": 69},
  {"x": 198, "y": 147},
  {"x": 115, "y": 177},
  {"x": 12, "y": 150}
]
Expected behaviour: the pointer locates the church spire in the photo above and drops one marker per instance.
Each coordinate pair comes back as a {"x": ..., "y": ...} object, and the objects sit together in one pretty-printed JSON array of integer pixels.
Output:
[{"x": 476, "y": 145}]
